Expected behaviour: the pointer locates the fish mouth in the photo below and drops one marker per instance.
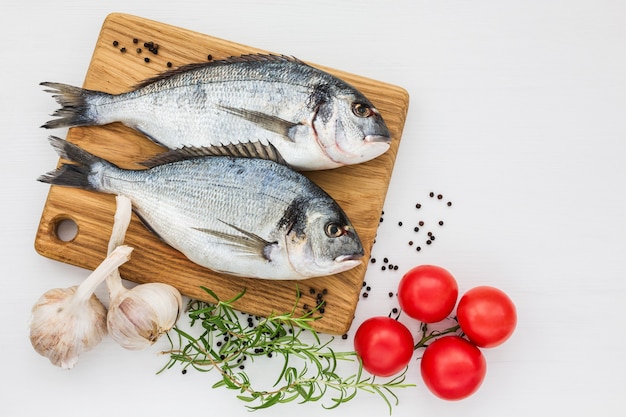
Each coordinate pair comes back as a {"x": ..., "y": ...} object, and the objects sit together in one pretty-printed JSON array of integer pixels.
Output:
[
  {"x": 377, "y": 139},
  {"x": 347, "y": 258}
]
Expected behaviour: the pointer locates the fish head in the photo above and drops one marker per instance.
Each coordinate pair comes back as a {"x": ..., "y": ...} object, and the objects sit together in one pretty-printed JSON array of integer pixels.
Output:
[
  {"x": 350, "y": 129},
  {"x": 325, "y": 242}
]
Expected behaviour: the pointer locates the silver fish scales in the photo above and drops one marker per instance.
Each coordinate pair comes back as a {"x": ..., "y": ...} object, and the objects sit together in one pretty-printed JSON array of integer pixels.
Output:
[
  {"x": 313, "y": 119},
  {"x": 240, "y": 216}
]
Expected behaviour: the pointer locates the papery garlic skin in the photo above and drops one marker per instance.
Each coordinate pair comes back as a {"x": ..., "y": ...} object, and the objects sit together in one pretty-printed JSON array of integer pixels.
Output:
[
  {"x": 66, "y": 322},
  {"x": 60, "y": 332},
  {"x": 139, "y": 316}
]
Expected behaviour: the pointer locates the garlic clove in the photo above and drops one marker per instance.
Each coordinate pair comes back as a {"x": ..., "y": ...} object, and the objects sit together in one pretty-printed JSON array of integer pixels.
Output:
[
  {"x": 66, "y": 322},
  {"x": 139, "y": 316}
]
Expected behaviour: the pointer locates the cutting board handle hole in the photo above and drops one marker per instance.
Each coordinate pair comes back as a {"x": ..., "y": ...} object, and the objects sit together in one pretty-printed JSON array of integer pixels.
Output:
[{"x": 65, "y": 228}]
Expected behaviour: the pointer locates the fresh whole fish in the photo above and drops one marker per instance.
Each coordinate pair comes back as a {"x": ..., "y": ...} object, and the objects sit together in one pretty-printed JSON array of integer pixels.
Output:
[
  {"x": 240, "y": 216},
  {"x": 313, "y": 119}
]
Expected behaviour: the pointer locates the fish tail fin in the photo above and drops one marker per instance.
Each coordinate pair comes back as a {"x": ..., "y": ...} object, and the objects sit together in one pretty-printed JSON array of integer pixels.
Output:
[
  {"x": 77, "y": 175},
  {"x": 76, "y": 108}
]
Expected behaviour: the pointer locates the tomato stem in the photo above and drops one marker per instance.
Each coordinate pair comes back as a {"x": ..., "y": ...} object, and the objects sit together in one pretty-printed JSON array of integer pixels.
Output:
[{"x": 427, "y": 337}]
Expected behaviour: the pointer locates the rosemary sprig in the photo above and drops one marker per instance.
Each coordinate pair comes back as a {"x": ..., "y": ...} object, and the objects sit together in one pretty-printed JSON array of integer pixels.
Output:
[{"x": 309, "y": 371}]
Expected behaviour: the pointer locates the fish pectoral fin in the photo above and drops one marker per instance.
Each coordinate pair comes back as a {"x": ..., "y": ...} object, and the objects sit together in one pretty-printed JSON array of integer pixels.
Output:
[
  {"x": 246, "y": 242},
  {"x": 235, "y": 150},
  {"x": 266, "y": 121}
]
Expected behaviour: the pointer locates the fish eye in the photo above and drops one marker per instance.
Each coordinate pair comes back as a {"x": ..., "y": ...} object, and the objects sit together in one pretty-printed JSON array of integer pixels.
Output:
[
  {"x": 333, "y": 230},
  {"x": 362, "y": 110}
]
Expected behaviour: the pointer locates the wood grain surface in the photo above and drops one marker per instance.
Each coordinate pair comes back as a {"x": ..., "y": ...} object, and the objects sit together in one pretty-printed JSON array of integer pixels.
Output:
[{"x": 359, "y": 189}]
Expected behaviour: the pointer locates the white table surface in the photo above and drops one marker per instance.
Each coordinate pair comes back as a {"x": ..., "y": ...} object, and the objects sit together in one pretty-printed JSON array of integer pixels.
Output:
[{"x": 517, "y": 116}]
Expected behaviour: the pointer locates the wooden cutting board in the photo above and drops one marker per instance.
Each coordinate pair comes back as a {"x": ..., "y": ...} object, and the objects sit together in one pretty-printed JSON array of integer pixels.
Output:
[{"x": 359, "y": 189}]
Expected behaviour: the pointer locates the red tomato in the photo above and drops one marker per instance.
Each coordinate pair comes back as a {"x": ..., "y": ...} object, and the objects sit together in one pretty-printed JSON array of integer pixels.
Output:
[
  {"x": 427, "y": 293},
  {"x": 487, "y": 316},
  {"x": 384, "y": 345},
  {"x": 453, "y": 368}
]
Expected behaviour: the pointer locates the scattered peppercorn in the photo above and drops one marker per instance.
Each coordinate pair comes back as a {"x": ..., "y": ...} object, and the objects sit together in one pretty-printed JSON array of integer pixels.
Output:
[
  {"x": 439, "y": 196},
  {"x": 449, "y": 203},
  {"x": 209, "y": 57},
  {"x": 344, "y": 336},
  {"x": 115, "y": 43},
  {"x": 390, "y": 294},
  {"x": 418, "y": 206},
  {"x": 184, "y": 371},
  {"x": 416, "y": 229},
  {"x": 385, "y": 260},
  {"x": 431, "y": 194},
  {"x": 123, "y": 50},
  {"x": 138, "y": 50},
  {"x": 373, "y": 260},
  {"x": 421, "y": 223},
  {"x": 440, "y": 222},
  {"x": 169, "y": 64},
  {"x": 135, "y": 40},
  {"x": 365, "y": 295},
  {"x": 410, "y": 243},
  {"x": 368, "y": 288},
  {"x": 146, "y": 59},
  {"x": 383, "y": 268},
  {"x": 399, "y": 223}
]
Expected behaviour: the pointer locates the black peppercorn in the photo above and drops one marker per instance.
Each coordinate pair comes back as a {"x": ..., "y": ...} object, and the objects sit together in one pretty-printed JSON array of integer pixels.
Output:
[{"x": 146, "y": 59}]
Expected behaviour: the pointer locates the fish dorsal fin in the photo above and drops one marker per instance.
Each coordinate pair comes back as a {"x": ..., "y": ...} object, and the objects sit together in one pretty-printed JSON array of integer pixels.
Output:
[
  {"x": 221, "y": 62},
  {"x": 235, "y": 150}
]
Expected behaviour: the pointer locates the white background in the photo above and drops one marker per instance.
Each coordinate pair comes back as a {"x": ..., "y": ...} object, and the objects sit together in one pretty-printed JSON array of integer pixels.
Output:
[{"x": 517, "y": 116}]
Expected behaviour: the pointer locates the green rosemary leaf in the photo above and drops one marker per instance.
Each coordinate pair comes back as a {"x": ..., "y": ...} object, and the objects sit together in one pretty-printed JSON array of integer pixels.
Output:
[
  {"x": 224, "y": 343},
  {"x": 246, "y": 398}
]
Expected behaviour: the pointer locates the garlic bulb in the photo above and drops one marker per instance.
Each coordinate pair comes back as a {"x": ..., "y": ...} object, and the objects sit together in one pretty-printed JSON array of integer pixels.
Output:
[
  {"x": 66, "y": 322},
  {"x": 137, "y": 317}
]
